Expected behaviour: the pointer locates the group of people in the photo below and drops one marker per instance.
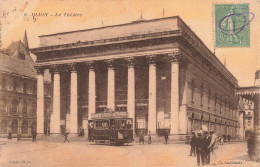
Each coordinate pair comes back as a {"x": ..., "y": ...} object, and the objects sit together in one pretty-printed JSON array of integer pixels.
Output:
[
  {"x": 222, "y": 139},
  {"x": 202, "y": 144},
  {"x": 19, "y": 136},
  {"x": 141, "y": 137}
]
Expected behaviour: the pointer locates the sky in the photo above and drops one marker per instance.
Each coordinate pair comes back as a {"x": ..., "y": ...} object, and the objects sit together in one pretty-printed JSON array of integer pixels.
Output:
[{"x": 17, "y": 16}]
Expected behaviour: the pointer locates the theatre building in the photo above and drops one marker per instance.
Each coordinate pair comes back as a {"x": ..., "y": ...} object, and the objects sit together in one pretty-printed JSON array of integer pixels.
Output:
[{"x": 158, "y": 71}]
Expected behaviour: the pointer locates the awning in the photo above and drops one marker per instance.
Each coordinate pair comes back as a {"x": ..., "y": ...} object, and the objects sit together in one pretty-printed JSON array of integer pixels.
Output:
[
  {"x": 212, "y": 119},
  {"x": 189, "y": 113},
  {"x": 228, "y": 123},
  {"x": 205, "y": 117},
  {"x": 223, "y": 121},
  {"x": 218, "y": 120},
  {"x": 197, "y": 116}
]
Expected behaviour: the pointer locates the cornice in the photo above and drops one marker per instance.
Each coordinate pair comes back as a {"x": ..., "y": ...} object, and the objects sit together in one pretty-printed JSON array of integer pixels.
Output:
[{"x": 106, "y": 41}]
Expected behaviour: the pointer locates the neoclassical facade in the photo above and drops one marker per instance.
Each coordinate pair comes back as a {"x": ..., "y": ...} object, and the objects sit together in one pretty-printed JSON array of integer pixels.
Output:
[
  {"x": 158, "y": 71},
  {"x": 18, "y": 91}
]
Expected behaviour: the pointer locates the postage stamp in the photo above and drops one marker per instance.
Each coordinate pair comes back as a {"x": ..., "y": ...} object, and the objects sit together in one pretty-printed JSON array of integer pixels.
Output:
[{"x": 232, "y": 25}]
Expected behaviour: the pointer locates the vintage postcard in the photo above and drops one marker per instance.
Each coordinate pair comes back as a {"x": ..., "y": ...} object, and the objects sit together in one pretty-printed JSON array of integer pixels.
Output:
[{"x": 133, "y": 83}]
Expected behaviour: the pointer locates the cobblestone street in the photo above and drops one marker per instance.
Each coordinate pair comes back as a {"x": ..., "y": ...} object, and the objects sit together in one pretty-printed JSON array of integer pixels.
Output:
[{"x": 46, "y": 154}]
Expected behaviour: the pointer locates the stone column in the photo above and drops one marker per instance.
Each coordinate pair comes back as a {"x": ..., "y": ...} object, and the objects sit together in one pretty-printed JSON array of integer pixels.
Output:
[
  {"x": 55, "y": 116},
  {"x": 183, "y": 119},
  {"x": 110, "y": 85},
  {"x": 152, "y": 120},
  {"x": 91, "y": 90},
  {"x": 131, "y": 91},
  {"x": 73, "y": 99},
  {"x": 175, "y": 92},
  {"x": 40, "y": 100}
]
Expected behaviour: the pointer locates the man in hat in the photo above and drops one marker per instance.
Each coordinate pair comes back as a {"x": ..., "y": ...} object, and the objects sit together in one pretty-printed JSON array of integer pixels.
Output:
[
  {"x": 213, "y": 143},
  {"x": 199, "y": 145},
  {"x": 192, "y": 144},
  {"x": 206, "y": 149}
]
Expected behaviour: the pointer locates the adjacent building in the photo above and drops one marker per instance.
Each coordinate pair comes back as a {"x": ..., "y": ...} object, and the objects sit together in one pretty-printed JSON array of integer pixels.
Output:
[
  {"x": 18, "y": 89},
  {"x": 249, "y": 96},
  {"x": 158, "y": 71}
]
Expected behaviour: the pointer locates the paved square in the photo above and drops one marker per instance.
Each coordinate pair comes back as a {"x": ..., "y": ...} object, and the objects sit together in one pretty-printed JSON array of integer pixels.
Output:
[{"x": 47, "y": 154}]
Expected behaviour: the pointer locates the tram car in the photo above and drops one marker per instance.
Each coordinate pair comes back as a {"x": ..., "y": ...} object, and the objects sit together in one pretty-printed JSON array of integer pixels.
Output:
[{"x": 111, "y": 128}]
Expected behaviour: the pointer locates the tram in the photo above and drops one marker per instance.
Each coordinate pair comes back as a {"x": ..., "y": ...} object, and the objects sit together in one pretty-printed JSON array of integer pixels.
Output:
[{"x": 111, "y": 128}]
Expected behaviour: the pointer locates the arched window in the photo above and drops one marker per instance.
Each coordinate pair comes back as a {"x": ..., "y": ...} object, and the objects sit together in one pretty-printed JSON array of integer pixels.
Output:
[
  {"x": 33, "y": 109},
  {"x": 14, "y": 106},
  {"x": 3, "y": 105},
  {"x": 209, "y": 98},
  {"x": 192, "y": 91},
  {"x": 24, "y": 87},
  {"x": 14, "y": 127},
  {"x": 33, "y": 126},
  {"x": 24, "y": 107},
  {"x": 201, "y": 95},
  {"x": 25, "y": 127},
  {"x": 3, "y": 127},
  {"x": 14, "y": 86},
  {"x": 216, "y": 101},
  {"x": 3, "y": 83},
  {"x": 225, "y": 105}
]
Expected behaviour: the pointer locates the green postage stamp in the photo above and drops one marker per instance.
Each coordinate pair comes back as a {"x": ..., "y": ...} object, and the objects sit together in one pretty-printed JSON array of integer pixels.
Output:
[{"x": 232, "y": 25}]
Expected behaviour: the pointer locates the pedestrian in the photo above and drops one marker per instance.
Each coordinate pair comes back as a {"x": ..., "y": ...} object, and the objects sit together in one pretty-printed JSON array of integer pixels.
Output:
[
  {"x": 206, "y": 149},
  {"x": 141, "y": 137},
  {"x": 229, "y": 137},
  {"x": 19, "y": 137},
  {"x": 10, "y": 136},
  {"x": 214, "y": 142},
  {"x": 149, "y": 138},
  {"x": 221, "y": 141},
  {"x": 34, "y": 133},
  {"x": 199, "y": 145},
  {"x": 224, "y": 138},
  {"x": 192, "y": 144},
  {"x": 251, "y": 146},
  {"x": 166, "y": 136},
  {"x": 66, "y": 137}
]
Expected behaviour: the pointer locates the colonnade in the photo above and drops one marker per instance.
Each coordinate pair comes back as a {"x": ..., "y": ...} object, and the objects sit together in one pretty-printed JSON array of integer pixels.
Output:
[{"x": 55, "y": 117}]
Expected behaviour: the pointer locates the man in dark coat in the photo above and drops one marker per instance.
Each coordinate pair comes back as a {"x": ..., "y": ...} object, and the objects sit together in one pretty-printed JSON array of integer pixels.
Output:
[
  {"x": 10, "y": 136},
  {"x": 251, "y": 146},
  {"x": 228, "y": 137},
  {"x": 149, "y": 138},
  {"x": 199, "y": 146},
  {"x": 34, "y": 133},
  {"x": 66, "y": 137},
  {"x": 206, "y": 149},
  {"x": 166, "y": 136},
  {"x": 141, "y": 138},
  {"x": 192, "y": 144}
]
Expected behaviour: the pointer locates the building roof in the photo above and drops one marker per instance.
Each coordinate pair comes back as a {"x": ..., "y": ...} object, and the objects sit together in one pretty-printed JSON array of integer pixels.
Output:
[
  {"x": 107, "y": 32},
  {"x": 119, "y": 33},
  {"x": 16, "y": 60}
]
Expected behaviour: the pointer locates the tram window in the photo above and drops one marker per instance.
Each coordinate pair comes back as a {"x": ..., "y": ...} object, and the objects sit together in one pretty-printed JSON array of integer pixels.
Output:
[
  {"x": 102, "y": 124},
  {"x": 112, "y": 123},
  {"x": 129, "y": 124},
  {"x": 122, "y": 124}
]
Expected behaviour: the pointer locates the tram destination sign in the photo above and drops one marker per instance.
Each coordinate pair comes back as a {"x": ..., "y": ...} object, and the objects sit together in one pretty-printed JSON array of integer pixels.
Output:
[{"x": 109, "y": 115}]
